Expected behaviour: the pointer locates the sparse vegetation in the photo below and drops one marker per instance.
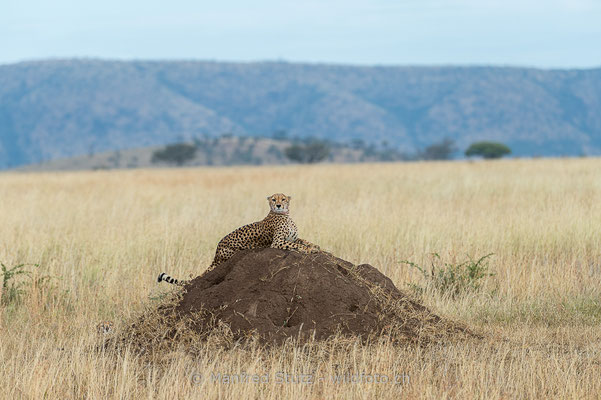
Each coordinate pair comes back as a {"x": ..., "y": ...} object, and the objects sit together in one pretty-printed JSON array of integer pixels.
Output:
[
  {"x": 442, "y": 150},
  {"x": 18, "y": 280},
  {"x": 311, "y": 152},
  {"x": 12, "y": 289},
  {"x": 177, "y": 153},
  {"x": 452, "y": 279},
  {"x": 231, "y": 150}
]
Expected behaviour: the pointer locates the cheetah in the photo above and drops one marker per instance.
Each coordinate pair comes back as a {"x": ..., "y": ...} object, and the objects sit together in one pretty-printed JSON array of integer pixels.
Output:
[{"x": 276, "y": 230}]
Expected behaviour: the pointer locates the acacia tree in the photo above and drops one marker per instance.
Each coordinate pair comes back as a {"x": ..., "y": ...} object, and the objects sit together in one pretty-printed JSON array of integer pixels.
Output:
[{"x": 487, "y": 150}]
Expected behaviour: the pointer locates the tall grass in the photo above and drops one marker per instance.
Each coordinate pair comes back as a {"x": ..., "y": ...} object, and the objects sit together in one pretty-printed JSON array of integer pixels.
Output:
[{"x": 100, "y": 238}]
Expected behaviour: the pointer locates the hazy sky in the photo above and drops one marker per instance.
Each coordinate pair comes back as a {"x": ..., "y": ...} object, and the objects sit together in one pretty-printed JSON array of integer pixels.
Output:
[{"x": 541, "y": 33}]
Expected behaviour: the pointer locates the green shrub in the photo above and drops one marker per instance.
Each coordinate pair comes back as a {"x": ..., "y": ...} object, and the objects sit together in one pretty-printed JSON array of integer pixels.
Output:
[
  {"x": 452, "y": 279},
  {"x": 487, "y": 150},
  {"x": 12, "y": 291}
]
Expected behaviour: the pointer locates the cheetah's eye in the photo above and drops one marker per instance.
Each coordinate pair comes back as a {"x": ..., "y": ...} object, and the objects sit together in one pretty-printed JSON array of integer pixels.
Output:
[{"x": 273, "y": 200}]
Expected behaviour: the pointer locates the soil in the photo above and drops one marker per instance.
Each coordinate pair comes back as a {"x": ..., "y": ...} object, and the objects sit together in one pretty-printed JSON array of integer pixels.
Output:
[{"x": 273, "y": 294}]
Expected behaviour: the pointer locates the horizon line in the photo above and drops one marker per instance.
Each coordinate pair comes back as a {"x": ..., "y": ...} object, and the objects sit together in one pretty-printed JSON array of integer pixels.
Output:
[{"x": 294, "y": 62}]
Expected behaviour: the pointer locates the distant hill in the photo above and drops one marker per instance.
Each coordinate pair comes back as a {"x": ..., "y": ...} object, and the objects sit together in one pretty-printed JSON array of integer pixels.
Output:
[
  {"x": 222, "y": 151},
  {"x": 64, "y": 108}
]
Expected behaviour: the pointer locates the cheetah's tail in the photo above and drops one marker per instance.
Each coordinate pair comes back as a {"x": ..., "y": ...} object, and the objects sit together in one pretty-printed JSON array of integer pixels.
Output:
[{"x": 166, "y": 278}]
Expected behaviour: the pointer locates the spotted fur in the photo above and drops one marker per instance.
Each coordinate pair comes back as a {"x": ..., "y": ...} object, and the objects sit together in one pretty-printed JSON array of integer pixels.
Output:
[{"x": 276, "y": 230}]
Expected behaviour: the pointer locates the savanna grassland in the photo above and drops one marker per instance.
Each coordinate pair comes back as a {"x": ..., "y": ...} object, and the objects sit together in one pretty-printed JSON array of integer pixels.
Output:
[{"x": 100, "y": 239}]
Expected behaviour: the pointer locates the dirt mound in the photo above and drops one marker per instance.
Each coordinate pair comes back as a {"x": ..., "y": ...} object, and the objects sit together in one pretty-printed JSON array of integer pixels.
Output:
[{"x": 272, "y": 295}]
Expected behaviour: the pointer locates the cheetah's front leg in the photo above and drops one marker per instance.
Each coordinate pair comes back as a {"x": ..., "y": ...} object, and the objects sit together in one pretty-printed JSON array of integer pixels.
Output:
[
  {"x": 307, "y": 244},
  {"x": 280, "y": 242}
]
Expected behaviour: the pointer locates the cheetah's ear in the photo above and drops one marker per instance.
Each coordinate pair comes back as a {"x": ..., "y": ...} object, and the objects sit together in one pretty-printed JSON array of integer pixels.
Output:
[
  {"x": 289, "y": 197},
  {"x": 268, "y": 197}
]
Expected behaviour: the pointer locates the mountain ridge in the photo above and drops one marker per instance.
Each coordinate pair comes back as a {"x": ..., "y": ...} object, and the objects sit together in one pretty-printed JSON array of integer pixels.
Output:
[{"x": 69, "y": 107}]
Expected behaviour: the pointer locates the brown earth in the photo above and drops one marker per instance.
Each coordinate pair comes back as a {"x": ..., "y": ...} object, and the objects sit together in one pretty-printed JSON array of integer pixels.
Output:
[{"x": 271, "y": 295}]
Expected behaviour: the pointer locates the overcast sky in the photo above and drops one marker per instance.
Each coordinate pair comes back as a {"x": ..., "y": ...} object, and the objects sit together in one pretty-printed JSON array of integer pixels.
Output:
[{"x": 540, "y": 33}]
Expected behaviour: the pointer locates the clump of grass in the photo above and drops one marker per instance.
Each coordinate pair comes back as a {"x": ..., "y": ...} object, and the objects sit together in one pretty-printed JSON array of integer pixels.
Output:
[
  {"x": 449, "y": 279},
  {"x": 13, "y": 289}
]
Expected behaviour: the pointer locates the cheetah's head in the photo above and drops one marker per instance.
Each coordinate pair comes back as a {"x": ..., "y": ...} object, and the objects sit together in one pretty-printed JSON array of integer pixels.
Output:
[{"x": 279, "y": 203}]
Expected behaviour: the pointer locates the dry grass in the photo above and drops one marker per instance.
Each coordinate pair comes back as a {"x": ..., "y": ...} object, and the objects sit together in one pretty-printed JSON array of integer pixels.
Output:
[{"x": 102, "y": 237}]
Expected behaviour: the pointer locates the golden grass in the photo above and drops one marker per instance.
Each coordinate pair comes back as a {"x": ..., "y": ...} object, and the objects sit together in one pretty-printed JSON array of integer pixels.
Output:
[{"x": 102, "y": 237}]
